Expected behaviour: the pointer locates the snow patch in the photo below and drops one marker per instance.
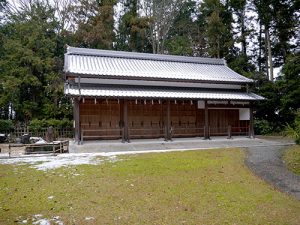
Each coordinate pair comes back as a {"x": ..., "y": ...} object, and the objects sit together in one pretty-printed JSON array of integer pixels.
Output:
[
  {"x": 48, "y": 162},
  {"x": 37, "y": 215},
  {"x": 45, "y": 221},
  {"x": 42, "y": 222},
  {"x": 89, "y": 218}
]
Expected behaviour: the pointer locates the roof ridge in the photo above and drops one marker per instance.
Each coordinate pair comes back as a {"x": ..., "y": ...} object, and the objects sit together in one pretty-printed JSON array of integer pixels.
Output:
[{"x": 143, "y": 56}]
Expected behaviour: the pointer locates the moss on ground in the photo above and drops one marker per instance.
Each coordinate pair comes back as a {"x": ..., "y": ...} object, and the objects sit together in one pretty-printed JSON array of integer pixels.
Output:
[
  {"x": 194, "y": 187},
  {"x": 291, "y": 158}
]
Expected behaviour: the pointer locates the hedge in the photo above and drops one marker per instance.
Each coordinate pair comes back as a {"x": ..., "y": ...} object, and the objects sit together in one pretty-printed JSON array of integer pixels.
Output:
[
  {"x": 39, "y": 124},
  {"x": 6, "y": 125}
]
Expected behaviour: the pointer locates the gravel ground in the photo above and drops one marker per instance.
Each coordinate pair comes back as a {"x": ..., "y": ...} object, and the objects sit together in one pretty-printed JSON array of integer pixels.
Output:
[{"x": 266, "y": 162}]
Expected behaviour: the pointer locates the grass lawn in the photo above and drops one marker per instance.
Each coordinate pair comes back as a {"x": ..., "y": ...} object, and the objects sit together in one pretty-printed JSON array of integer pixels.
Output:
[
  {"x": 292, "y": 159},
  {"x": 193, "y": 187}
]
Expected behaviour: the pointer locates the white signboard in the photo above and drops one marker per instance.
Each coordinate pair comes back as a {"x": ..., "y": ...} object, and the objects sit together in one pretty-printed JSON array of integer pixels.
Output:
[
  {"x": 244, "y": 113},
  {"x": 201, "y": 104}
]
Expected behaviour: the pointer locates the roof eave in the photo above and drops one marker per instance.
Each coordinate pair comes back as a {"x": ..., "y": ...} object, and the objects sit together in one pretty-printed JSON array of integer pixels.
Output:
[
  {"x": 137, "y": 55},
  {"x": 161, "y": 98},
  {"x": 98, "y": 76}
]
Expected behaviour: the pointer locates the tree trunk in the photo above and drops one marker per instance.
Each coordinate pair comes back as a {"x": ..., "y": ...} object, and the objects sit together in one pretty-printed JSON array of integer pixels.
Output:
[
  {"x": 218, "y": 48},
  {"x": 269, "y": 53},
  {"x": 260, "y": 47},
  {"x": 244, "y": 44},
  {"x": 266, "y": 54}
]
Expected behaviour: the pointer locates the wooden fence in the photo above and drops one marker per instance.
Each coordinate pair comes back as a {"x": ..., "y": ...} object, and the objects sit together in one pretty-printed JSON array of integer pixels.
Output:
[
  {"x": 58, "y": 132},
  {"x": 54, "y": 148}
]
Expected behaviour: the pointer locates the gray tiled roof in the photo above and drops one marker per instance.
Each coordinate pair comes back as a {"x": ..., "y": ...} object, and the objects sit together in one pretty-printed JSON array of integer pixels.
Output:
[
  {"x": 172, "y": 93},
  {"x": 128, "y": 65}
]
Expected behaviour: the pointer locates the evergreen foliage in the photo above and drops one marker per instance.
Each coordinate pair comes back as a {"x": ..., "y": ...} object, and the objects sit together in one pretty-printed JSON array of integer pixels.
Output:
[
  {"x": 253, "y": 36},
  {"x": 6, "y": 125}
]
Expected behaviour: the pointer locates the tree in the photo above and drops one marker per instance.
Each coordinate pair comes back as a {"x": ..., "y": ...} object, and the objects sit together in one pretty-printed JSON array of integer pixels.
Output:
[
  {"x": 31, "y": 67},
  {"x": 278, "y": 20},
  {"x": 133, "y": 28},
  {"x": 218, "y": 30},
  {"x": 182, "y": 36},
  {"x": 95, "y": 21},
  {"x": 162, "y": 14},
  {"x": 291, "y": 77},
  {"x": 239, "y": 8},
  {"x": 285, "y": 17}
]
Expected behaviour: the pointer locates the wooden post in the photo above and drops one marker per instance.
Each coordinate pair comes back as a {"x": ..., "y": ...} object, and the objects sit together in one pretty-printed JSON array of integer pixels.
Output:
[
  {"x": 9, "y": 150},
  {"x": 125, "y": 119},
  {"x": 169, "y": 137},
  {"x": 229, "y": 136},
  {"x": 77, "y": 120},
  {"x": 251, "y": 124},
  {"x": 206, "y": 131}
]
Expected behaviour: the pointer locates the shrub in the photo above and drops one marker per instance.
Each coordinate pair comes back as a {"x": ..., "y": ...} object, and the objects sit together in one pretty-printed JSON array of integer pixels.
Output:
[
  {"x": 36, "y": 124},
  {"x": 298, "y": 141},
  {"x": 6, "y": 125},
  {"x": 293, "y": 130},
  {"x": 263, "y": 127}
]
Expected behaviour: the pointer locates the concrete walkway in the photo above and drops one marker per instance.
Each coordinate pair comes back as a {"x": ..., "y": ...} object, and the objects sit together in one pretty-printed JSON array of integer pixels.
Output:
[{"x": 176, "y": 144}]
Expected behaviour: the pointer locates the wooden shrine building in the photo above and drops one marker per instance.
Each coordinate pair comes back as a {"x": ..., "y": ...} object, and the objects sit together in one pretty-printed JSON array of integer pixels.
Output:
[{"x": 126, "y": 95}]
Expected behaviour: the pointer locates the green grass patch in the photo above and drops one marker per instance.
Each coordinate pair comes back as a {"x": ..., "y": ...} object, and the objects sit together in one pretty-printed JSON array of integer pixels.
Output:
[
  {"x": 193, "y": 187},
  {"x": 292, "y": 159}
]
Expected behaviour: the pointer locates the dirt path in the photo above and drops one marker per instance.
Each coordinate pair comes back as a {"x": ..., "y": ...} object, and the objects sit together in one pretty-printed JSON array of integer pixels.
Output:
[{"x": 266, "y": 162}]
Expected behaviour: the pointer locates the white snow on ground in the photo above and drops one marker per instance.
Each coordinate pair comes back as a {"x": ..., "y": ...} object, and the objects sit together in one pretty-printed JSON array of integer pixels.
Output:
[
  {"x": 37, "y": 215},
  {"x": 48, "y": 162},
  {"x": 42, "y": 222},
  {"x": 38, "y": 220},
  {"x": 89, "y": 218}
]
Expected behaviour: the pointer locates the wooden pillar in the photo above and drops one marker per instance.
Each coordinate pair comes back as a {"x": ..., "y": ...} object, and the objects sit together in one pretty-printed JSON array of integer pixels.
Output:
[
  {"x": 125, "y": 119},
  {"x": 169, "y": 136},
  {"x": 76, "y": 115},
  {"x": 251, "y": 122},
  {"x": 206, "y": 122}
]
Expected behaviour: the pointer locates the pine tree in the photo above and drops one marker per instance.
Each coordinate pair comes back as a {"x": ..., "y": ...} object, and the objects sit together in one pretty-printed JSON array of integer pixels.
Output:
[
  {"x": 182, "y": 37},
  {"x": 133, "y": 29},
  {"x": 218, "y": 29},
  {"x": 95, "y": 22}
]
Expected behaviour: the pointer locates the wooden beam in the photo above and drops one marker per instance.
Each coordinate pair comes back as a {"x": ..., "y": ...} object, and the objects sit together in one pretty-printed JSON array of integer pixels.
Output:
[
  {"x": 251, "y": 123},
  {"x": 206, "y": 122},
  {"x": 169, "y": 135},
  {"x": 125, "y": 119},
  {"x": 76, "y": 115}
]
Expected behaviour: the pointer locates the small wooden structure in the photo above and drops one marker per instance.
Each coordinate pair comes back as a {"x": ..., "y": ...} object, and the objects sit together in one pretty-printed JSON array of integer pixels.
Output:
[
  {"x": 123, "y": 95},
  {"x": 45, "y": 148}
]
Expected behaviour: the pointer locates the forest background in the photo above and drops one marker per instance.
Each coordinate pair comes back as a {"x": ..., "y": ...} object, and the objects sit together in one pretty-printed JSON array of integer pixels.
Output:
[{"x": 260, "y": 39}]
